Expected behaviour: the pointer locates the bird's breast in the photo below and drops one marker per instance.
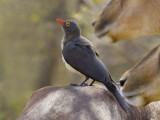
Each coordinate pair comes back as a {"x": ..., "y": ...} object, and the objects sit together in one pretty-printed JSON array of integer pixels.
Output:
[{"x": 69, "y": 67}]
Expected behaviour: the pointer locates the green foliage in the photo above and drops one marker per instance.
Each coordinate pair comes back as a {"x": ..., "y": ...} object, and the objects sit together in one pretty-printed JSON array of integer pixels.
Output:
[
  {"x": 34, "y": 18},
  {"x": 2, "y": 115},
  {"x": 98, "y": 1}
]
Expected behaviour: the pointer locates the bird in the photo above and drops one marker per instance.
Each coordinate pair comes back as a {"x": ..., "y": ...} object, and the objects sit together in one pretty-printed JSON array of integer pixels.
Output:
[{"x": 79, "y": 55}]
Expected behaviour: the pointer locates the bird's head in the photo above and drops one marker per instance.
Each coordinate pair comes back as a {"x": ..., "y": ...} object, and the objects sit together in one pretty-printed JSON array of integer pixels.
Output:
[{"x": 69, "y": 27}]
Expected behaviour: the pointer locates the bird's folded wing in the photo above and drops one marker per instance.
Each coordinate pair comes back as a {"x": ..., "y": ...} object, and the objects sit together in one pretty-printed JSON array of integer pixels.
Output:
[{"x": 84, "y": 59}]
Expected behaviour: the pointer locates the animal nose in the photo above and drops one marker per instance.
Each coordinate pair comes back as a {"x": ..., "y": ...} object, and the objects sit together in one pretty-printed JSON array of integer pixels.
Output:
[
  {"x": 122, "y": 81},
  {"x": 93, "y": 23}
]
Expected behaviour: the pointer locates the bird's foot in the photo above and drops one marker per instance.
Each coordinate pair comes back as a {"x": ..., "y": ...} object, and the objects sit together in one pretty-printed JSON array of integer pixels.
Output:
[
  {"x": 73, "y": 84},
  {"x": 76, "y": 85},
  {"x": 85, "y": 84}
]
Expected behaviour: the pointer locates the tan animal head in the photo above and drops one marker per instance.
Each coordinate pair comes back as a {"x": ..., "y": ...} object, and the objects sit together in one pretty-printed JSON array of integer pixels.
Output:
[
  {"x": 141, "y": 84},
  {"x": 125, "y": 19}
]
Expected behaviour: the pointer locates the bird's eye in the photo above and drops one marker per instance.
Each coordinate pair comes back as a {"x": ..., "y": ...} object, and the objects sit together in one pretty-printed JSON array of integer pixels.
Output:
[{"x": 67, "y": 24}]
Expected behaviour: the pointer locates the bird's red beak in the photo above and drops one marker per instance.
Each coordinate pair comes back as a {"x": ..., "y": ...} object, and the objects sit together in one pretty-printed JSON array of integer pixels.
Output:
[{"x": 60, "y": 21}]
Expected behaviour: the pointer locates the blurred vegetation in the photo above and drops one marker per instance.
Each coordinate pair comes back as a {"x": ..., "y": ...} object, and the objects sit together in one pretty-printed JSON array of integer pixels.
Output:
[{"x": 30, "y": 53}]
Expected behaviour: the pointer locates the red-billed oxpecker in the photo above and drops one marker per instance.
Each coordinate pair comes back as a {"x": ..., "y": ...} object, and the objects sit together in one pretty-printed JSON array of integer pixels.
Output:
[{"x": 79, "y": 55}]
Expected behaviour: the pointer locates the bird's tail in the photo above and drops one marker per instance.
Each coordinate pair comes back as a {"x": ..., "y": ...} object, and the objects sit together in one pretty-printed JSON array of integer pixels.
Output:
[{"x": 124, "y": 105}]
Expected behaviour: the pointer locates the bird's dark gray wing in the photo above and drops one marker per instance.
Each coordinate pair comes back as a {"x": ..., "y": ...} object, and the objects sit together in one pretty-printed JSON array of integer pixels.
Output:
[{"x": 84, "y": 59}]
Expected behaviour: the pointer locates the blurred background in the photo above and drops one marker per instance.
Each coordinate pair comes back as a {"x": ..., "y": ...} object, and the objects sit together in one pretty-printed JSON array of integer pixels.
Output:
[{"x": 30, "y": 53}]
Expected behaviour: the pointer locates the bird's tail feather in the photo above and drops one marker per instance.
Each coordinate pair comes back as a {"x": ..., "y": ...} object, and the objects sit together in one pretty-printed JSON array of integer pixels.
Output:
[{"x": 124, "y": 105}]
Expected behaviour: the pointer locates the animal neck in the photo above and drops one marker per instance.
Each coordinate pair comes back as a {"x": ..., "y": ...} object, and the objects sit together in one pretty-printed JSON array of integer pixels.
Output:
[{"x": 68, "y": 36}]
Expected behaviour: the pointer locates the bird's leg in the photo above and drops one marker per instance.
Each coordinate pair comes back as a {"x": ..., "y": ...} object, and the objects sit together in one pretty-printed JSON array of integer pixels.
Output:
[
  {"x": 92, "y": 83},
  {"x": 82, "y": 84}
]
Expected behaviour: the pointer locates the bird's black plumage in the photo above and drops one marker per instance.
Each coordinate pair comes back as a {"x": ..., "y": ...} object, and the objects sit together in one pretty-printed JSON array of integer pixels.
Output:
[
  {"x": 84, "y": 59},
  {"x": 80, "y": 54}
]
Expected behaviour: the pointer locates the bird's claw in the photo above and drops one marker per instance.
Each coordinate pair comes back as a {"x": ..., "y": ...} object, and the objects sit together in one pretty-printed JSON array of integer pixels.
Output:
[
  {"x": 85, "y": 84},
  {"x": 73, "y": 84},
  {"x": 76, "y": 85}
]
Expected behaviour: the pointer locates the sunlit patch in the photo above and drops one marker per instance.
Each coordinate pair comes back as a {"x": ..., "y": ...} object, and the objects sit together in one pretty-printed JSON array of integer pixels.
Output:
[
  {"x": 136, "y": 101},
  {"x": 134, "y": 98},
  {"x": 67, "y": 24}
]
